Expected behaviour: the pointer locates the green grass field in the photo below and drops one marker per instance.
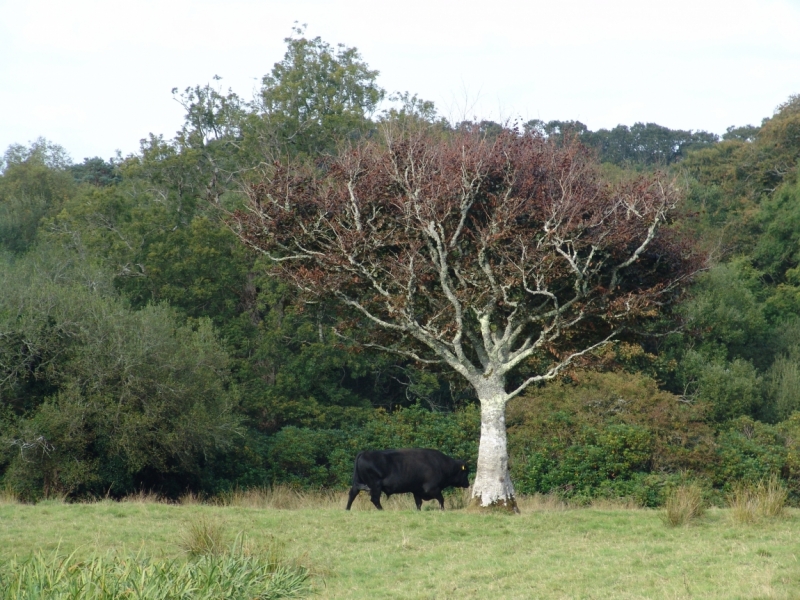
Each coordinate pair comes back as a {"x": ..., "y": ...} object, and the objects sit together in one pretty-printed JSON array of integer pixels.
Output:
[{"x": 546, "y": 552}]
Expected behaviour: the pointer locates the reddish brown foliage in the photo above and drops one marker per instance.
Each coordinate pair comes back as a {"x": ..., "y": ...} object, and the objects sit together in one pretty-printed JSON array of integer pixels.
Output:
[{"x": 479, "y": 252}]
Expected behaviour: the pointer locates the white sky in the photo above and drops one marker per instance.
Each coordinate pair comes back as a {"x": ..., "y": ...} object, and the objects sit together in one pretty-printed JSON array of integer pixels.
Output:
[{"x": 95, "y": 76}]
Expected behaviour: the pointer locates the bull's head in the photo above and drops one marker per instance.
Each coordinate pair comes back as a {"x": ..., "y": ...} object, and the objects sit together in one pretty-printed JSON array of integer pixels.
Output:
[{"x": 460, "y": 476}]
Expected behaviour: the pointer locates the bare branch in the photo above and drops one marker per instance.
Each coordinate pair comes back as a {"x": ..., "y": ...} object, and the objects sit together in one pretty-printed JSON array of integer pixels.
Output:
[
  {"x": 553, "y": 372},
  {"x": 399, "y": 352}
]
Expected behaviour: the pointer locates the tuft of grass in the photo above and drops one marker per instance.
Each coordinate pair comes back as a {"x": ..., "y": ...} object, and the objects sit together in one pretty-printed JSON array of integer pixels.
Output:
[
  {"x": 541, "y": 503},
  {"x": 623, "y": 503},
  {"x": 772, "y": 496},
  {"x": 749, "y": 503},
  {"x": 52, "y": 499},
  {"x": 233, "y": 575},
  {"x": 204, "y": 537},
  {"x": 143, "y": 497},
  {"x": 280, "y": 498},
  {"x": 190, "y": 499},
  {"x": 743, "y": 503},
  {"x": 458, "y": 499},
  {"x": 683, "y": 505},
  {"x": 8, "y": 496},
  {"x": 287, "y": 498}
]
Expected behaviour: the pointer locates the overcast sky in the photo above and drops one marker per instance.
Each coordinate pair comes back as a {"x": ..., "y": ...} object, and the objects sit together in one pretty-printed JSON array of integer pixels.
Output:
[{"x": 95, "y": 76}]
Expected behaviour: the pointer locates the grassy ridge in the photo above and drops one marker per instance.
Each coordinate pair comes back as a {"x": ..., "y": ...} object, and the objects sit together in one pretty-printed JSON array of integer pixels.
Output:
[{"x": 547, "y": 552}]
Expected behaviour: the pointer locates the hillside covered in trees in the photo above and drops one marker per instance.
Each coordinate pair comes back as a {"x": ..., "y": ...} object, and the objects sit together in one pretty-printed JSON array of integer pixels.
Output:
[{"x": 143, "y": 346}]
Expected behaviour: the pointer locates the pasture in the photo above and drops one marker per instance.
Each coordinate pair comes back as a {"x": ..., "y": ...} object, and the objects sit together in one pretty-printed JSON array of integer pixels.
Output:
[{"x": 548, "y": 551}]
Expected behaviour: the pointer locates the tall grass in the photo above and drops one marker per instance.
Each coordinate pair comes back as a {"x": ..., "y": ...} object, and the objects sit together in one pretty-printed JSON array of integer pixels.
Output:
[
  {"x": 204, "y": 537},
  {"x": 190, "y": 499},
  {"x": 143, "y": 497},
  {"x": 233, "y": 575},
  {"x": 541, "y": 502},
  {"x": 281, "y": 497},
  {"x": 287, "y": 498},
  {"x": 749, "y": 503},
  {"x": 622, "y": 503},
  {"x": 683, "y": 505},
  {"x": 7, "y": 496}
]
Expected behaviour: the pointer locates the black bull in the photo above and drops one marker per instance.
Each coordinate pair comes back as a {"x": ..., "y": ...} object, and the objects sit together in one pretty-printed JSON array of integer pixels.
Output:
[{"x": 419, "y": 471}]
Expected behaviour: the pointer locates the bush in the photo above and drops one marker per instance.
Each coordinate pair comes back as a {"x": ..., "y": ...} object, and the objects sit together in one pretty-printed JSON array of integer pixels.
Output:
[
  {"x": 605, "y": 435},
  {"x": 790, "y": 471},
  {"x": 783, "y": 386},
  {"x": 306, "y": 458},
  {"x": 101, "y": 399},
  {"x": 594, "y": 457},
  {"x": 732, "y": 388},
  {"x": 316, "y": 458},
  {"x": 602, "y": 435},
  {"x": 748, "y": 451}
]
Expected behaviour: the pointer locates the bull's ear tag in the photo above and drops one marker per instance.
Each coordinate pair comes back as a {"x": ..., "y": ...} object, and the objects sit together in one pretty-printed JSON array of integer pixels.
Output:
[{"x": 463, "y": 467}]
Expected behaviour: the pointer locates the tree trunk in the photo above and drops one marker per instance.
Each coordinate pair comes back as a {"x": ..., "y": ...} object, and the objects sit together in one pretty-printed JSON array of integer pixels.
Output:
[{"x": 493, "y": 487}]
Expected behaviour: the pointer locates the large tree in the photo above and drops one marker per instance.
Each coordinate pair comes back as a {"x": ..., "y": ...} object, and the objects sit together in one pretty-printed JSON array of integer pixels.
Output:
[
  {"x": 503, "y": 258},
  {"x": 316, "y": 95}
]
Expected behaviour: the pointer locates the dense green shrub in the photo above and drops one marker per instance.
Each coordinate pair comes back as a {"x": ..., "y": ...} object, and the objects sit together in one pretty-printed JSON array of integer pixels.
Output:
[
  {"x": 306, "y": 457},
  {"x": 748, "y": 451},
  {"x": 601, "y": 435},
  {"x": 790, "y": 472},
  {"x": 615, "y": 434},
  {"x": 595, "y": 458},
  {"x": 101, "y": 399},
  {"x": 605, "y": 434}
]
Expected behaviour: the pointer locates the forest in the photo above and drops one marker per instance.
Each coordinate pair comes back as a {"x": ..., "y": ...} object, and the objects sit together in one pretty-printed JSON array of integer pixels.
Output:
[{"x": 144, "y": 347}]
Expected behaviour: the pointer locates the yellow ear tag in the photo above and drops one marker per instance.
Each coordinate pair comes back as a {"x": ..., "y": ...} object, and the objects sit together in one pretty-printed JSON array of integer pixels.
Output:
[{"x": 463, "y": 467}]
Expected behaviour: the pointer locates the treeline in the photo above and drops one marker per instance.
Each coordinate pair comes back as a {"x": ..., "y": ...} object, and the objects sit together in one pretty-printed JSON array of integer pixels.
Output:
[{"x": 142, "y": 346}]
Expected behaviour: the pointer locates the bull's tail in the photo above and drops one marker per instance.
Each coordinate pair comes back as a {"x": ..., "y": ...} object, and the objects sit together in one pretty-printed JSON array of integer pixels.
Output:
[
  {"x": 356, "y": 480},
  {"x": 357, "y": 484}
]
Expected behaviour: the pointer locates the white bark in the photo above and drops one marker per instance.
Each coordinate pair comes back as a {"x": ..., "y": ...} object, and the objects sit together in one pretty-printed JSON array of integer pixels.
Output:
[{"x": 492, "y": 481}]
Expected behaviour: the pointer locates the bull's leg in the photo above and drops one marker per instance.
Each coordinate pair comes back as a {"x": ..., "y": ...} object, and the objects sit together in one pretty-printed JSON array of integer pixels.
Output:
[
  {"x": 353, "y": 493},
  {"x": 375, "y": 496},
  {"x": 418, "y": 501},
  {"x": 440, "y": 498}
]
